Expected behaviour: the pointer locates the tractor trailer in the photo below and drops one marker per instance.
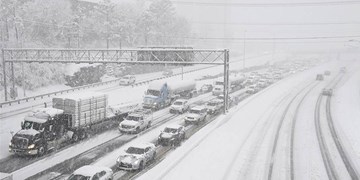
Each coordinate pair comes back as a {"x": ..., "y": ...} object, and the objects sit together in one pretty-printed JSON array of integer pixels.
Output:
[
  {"x": 162, "y": 93},
  {"x": 70, "y": 119},
  {"x": 235, "y": 82}
]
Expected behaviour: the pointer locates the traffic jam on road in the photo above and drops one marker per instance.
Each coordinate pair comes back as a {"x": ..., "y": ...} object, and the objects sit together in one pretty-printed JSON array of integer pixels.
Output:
[{"x": 74, "y": 118}]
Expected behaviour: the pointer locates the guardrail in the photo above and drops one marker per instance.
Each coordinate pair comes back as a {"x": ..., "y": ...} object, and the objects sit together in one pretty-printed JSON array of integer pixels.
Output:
[{"x": 27, "y": 99}]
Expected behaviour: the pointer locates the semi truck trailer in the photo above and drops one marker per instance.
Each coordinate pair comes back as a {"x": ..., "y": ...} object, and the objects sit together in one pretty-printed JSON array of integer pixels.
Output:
[
  {"x": 70, "y": 119},
  {"x": 162, "y": 93}
]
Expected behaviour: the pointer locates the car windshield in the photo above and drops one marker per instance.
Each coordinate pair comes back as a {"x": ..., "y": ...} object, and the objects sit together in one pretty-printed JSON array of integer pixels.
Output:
[
  {"x": 153, "y": 92},
  {"x": 133, "y": 118},
  {"x": 135, "y": 150},
  {"x": 126, "y": 77},
  {"x": 178, "y": 103},
  {"x": 170, "y": 130},
  {"x": 195, "y": 111},
  {"x": 32, "y": 125},
  {"x": 211, "y": 104},
  {"x": 78, "y": 177},
  {"x": 219, "y": 83}
]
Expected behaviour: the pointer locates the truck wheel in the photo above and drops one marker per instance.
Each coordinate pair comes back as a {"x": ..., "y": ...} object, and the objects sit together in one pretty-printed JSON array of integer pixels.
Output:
[
  {"x": 75, "y": 137},
  {"x": 153, "y": 157},
  {"x": 83, "y": 135},
  {"x": 141, "y": 166},
  {"x": 41, "y": 151}
]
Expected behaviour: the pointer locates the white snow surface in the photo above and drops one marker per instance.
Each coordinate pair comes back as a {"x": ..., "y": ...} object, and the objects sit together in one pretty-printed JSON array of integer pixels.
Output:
[{"x": 210, "y": 153}]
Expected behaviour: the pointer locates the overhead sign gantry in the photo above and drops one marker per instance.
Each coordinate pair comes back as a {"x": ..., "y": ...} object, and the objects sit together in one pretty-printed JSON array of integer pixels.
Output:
[{"x": 126, "y": 56}]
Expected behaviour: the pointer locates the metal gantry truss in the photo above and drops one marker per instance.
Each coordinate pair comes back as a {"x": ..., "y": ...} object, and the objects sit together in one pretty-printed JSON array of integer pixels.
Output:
[{"x": 126, "y": 56}]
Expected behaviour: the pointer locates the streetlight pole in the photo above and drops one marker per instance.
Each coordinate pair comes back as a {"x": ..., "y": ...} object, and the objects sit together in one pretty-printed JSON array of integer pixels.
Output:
[{"x": 244, "y": 49}]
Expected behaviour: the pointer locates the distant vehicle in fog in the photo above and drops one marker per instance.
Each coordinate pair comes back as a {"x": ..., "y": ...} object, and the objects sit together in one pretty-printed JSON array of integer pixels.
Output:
[
  {"x": 343, "y": 69},
  {"x": 127, "y": 80},
  {"x": 319, "y": 77},
  {"x": 327, "y": 92},
  {"x": 327, "y": 73},
  {"x": 167, "y": 72}
]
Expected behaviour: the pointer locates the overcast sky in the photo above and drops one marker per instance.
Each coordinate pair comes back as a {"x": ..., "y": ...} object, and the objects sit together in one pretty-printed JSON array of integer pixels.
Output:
[{"x": 266, "y": 19}]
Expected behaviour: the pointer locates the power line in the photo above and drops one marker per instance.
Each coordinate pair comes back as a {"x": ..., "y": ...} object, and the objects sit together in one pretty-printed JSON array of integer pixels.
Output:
[
  {"x": 273, "y": 38},
  {"x": 328, "y": 3},
  {"x": 278, "y": 24}
]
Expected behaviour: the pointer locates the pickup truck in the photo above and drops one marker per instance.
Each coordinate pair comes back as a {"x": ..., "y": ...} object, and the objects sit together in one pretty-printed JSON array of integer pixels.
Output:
[
  {"x": 180, "y": 105},
  {"x": 196, "y": 115},
  {"x": 136, "y": 121}
]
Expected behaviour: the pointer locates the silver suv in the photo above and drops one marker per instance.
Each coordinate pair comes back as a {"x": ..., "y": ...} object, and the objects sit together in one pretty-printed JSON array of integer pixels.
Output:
[{"x": 196, "y": 115}]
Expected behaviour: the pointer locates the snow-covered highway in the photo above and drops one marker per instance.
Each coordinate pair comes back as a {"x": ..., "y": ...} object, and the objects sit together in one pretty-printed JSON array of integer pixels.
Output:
[{"x": 240, "y": 145}]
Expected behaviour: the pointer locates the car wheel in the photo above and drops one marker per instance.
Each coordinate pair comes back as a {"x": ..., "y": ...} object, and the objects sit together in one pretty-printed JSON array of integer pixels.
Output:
[
  {"x": 75, "y": 137},
  {"x": 149, "y": 125},
  {"x": 153, "y": 157},
  {"x": 83, "y": 135},
  {"x": 41, "y": 151},
  {"x": 141, "y": 166},
  {"x": 137, "y": 130}
]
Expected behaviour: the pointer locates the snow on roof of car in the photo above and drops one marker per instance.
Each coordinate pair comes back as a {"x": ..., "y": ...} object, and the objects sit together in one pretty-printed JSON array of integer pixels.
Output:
[
  {"x": 198, "y": 107},
  {"x": 142, "y": 145},
  {"x": 173, "y": 126},
  {"x": 90, "y": 170}
]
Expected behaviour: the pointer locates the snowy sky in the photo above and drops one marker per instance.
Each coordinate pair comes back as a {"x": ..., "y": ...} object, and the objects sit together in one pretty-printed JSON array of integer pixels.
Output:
[{"x": 231, "y": 19}]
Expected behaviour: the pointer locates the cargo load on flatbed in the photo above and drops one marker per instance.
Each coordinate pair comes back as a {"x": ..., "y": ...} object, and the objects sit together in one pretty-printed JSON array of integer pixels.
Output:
[{"x": 85, "y": 109}]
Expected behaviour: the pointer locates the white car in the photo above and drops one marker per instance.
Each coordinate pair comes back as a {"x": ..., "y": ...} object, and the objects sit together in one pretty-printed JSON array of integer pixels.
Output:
[
  {"x": 127, "y": 80},
  {"x": 180, "y": 105},
  {"x": 92, "y": 172},
  {"x": 136, "y": 121},
  {"x": 196, "y": 115},
  {"x": 136, "y": 157},
  {"x": 215, "y": 106}
]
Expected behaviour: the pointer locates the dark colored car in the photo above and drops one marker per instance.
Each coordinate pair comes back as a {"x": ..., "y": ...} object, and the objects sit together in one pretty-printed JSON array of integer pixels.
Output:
[
  {"x": 172, "y": 135},
  {"x": 327, "y": 92},
  {"x": 319, "y": 77}
]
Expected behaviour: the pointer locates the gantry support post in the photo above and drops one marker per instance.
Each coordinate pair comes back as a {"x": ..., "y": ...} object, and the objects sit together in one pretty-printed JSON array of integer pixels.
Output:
[
  {"x": 226, "y": 80},
  {"x": 4, "y": 73}
]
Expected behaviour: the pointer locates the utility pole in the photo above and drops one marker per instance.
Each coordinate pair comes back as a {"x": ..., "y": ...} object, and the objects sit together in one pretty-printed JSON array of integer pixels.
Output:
[
  {"x": 244, "y": 50},
  {"x": 182, "y": 72},
  {"x": 273, "y": 50}
]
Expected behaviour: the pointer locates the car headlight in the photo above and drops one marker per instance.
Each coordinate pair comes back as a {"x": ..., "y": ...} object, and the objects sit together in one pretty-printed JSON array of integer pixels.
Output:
[
  {"x": 155, "y": 103},
  {"x": 31, "y": 146},
  {"x": 10, "y": 144},
  {"x": 137, "y": 162}
]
